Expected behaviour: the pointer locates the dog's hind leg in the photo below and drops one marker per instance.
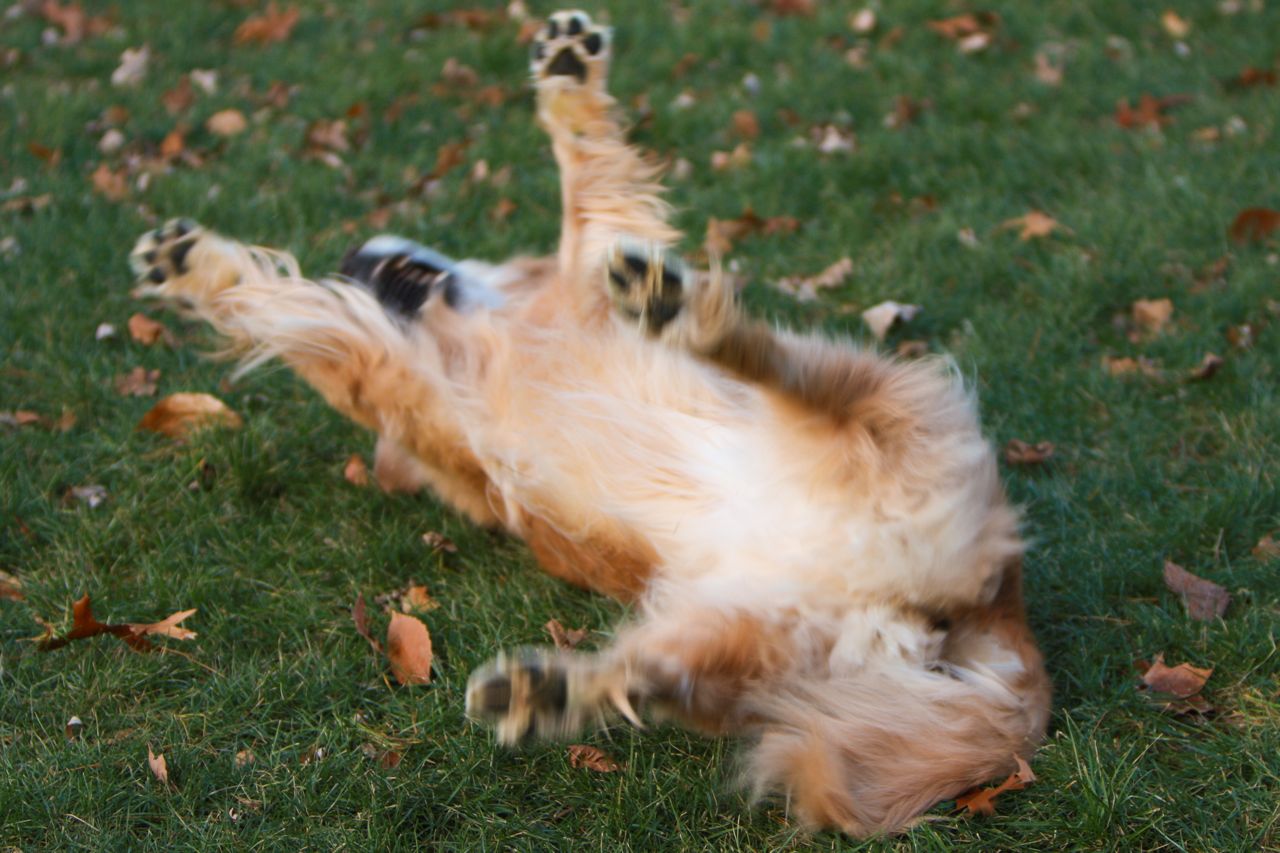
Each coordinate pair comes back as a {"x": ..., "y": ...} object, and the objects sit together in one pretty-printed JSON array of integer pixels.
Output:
[{"x": 352, "y": 344}]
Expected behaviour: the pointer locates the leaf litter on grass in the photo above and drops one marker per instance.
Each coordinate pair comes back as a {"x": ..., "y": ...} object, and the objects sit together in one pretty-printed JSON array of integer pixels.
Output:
[
  {"x": 1204, "y": 600},
  {"x": 134, "y": 634}
]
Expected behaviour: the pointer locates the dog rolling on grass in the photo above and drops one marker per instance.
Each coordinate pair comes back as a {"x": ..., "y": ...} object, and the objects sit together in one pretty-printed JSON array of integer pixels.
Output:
[{"x": 815, "y": 540}]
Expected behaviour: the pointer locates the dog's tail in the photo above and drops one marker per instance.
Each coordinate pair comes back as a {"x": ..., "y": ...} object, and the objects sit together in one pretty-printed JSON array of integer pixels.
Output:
[{"x": 869, "y": 753}]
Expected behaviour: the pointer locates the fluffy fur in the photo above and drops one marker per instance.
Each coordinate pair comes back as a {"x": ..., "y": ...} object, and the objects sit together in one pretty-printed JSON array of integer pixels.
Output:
[{"x": 815, "y": 538}]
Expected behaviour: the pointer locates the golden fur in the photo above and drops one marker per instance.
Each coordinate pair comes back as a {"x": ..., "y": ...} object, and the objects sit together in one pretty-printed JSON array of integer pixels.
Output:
[{"x": 815, "y": 539}]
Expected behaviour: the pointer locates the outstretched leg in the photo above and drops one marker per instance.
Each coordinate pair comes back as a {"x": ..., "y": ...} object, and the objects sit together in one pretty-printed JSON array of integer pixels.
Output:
[
  {"x": 608, "y": 190},
  {"x": 357, "y": 351}
]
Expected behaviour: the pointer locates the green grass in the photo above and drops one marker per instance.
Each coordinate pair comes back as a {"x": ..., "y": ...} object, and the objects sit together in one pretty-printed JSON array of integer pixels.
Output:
[{"x": 276, "y": 546}]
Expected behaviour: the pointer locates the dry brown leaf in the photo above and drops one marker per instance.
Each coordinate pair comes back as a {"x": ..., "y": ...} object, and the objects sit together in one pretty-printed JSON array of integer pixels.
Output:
[
  {"x": 272, "y": 26},
  {"x": 90, "y": 494},
  {"x": 745, "y": 124},
  {"x": 450, "y": 156},
  {"x": 457, "y": 75},
  {"x": 1019, "y": 452},
  {"x": 503, "y": 209},
  {"x": 179, "y": 99},
  {"x": 1174, "y": 24},
  {"x": 179, "y": 414},
  {"x": 167, "y": 627},
  {"x": 51, "y": 157},
  {"x": 1033, "y": 224},
  {"x": 74, "y": 727},
  {"x": 1208, "y": 366},
  {"x": 360, "y": 618},
  {"x": 10, "y": 587},
  {"x": 438, "y": 542},
  {"x": 73, "y": 21},
  {"x": 591, "y": 758},
  {"x": 880, "y": 317},
  {"x": 1151, "y": 315},
  {"x": 1254, "y": 224},
  {"x": 983, "y": 800},
  {"x": 723, "y": 233},
  {"x": 806, "y": 289},
  {"x": 792, "y": 7},
  {"x": 355, "y": 471},
  {"x": 20, "y": 418},
  {"x": 1250, "y": 77},
  {"x": 138, "y": 382},
  {"x": 739, "y": 157},
  {"x": 967, "y": 28},
  {"x": 147, "y": 332},
  {"x": 159, "y": 767},
  {"x": 328, "y": 135},
  {"x": 112, "y": 185},
  {"x": 565, "y": 639},
  {"x": 227, "y": 123},
  {"x": 1047, "y": 71},
  {"x": 409, "y": 649},
  {"x": 416, "y": 597},
  {"x": 1182, "y": 681},
  {"x": 245, "y": 757},
  {"x": 1124, "y": 366},
  {"x": 1150, "y": 111},
  {"x": 174, "y": 143},
  {"x": 1204, "y": 600},
  {"x": 1268, "y": 548}
]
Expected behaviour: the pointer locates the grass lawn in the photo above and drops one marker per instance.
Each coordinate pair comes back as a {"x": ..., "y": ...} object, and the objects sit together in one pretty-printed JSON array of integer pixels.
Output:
[{"x": 258, "y": 529}]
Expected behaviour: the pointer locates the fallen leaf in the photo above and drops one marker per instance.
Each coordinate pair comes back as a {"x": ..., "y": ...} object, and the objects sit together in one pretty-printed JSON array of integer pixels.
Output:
[
  {"x": 806, "y": 289},
  {"x": 355, "y": 471},
  {"x": 179, "y": 99},
  {"x": 133, "y": 66},
  {"x": 112, "y": 185},
  {"x": 449, "y": 156},
  {"x": 745, "y": 124},
  {"x": 179, "y": 414},
  {"x": 159, "y": 767},
  {"x": 1209, "y": 365},
  {"x": 91, "y": 494},
  {"x": 1250, "y": 77},
  {"x": 1174, "y": 24},
  {"x": 167, "y": 627},
  {"x": 1204, "y": 600},
  {"x": 1019, "y": 452},
  {"x": 272, "y": 26},
  {"x": 74, "y": 727},
  {"x": 739, "y": 157},
  {"x": 104, "y": 331},
  {"x": 1254, "y": 224},
  {"x": 983, "y": 800},
  {"x": 20, "y": 418},
  {"x": 10, "y": 587},
  {"x": 1151, "y": 315},
  {"x": 792, "y": 7},
  {"x": 880, "y": 317},
  {"x": 439, "y": 542},
  {"x": 1182, "y": 681},
  {"x": 830, "y": 139},
  {"x": 147, "y": 332},
  {"x": 565, "y": 639},
  {"x": 971, "y": 31},
  {"x": 51, "y": 157},
  {"x": 591, "y": 758},
  {"x": 409, "y": 649},
  {"x": 174, "y": 143},
  {"x": 1150, "y": 111},
  {"x": 1123, "y": 366},
  {"x": 416, "y": 597},
  {"x": 226, "y": 123},
  {"x": 245, "y": 757},
  {"x": 723, "y": 233},
  {"x": 457, "y": 75},
  {"x": 360, "y": 618},
  {"x": 1033, "y": 224},
  {"x": 331, "y": 135},
  {"x": 1268, "y": 548},
  {"x": 503, "y": 209},
  {"x": 1047, "y": 71}
]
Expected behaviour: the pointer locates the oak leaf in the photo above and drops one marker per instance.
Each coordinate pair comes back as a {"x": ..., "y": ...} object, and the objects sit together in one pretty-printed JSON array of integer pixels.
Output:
[
  {"x": 1254, "y": 224},
  {"x": 1204, "y": 600},
  {"x": 182, "y": 413},
  {"x": 591, "y": 758},
  {"x": 1019, "y": 452},
  {"x": 1033, "y": 224},
  {"x": 167, "y": 627},
  {"x": 983, "y": 801},
  {"x": 806, "y": 289},
  {"x": 1181, "y": 681},
  {"x": 159, "y": 767},
  {"x": 273, "y": 25},
  {"x": 409, "y": 649},
  {"x": 564, "y": 638},
  {"x": 147, "y": 332},
  {"x": 880, "y": 317}
]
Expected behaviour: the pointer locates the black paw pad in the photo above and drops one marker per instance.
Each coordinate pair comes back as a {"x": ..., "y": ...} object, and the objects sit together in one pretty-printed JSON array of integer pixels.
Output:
[{"x": 567, "y": 64}]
